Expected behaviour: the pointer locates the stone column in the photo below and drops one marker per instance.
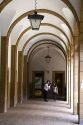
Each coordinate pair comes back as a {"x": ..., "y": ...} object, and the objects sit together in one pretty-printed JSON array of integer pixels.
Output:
[
  {"x": 69, "y": 69},
  {"x": 81, "y": 81},
  {"x": 81, "y": 66},
  {"x": 13, "y": 85},
  {"x": 76, "y": 83},
  {"x": 3, "y": 80},
  {"x": 72, "y": 75},
  {"x": 20, "y": 76},
  {"x": 67, "y": 93},
  {"x": 68, "y": 79},
  {"x": 28, "y": 82},
  {"x": 25, "y": 79},
  {"x": 72, "y": 82},
  {"x": 76, "y": 62},
  {"x": 8, "y": 89}
]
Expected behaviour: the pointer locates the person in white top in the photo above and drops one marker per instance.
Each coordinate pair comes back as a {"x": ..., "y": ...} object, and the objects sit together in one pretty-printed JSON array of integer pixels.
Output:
[
  {"x": 46, "y": 88},
  {"x": 55, "y": 91}
]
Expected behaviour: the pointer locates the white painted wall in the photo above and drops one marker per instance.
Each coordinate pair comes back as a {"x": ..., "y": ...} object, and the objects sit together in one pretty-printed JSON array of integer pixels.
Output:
[
  {"x": 5, "y": 20},
  {"x": 15, "y": 34},
  {"x": 37, "y": 63},
  {"x": 69, "y": 16}
]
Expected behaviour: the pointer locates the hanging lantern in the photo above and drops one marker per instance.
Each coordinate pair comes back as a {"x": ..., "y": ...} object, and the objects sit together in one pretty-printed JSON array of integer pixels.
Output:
[
  {"x": 48, "y": 58},
  {"x": 35, "y": 19}
]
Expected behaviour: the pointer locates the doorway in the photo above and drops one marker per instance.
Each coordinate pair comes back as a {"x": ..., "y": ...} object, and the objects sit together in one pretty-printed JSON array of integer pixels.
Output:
[
  {"x": 59, "y": 80},
  {"x": 38, "y": 81}
]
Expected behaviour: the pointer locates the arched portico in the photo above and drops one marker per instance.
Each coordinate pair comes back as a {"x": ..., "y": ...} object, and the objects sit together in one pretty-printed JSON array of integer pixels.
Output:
[{"x": 21, "y": 47}]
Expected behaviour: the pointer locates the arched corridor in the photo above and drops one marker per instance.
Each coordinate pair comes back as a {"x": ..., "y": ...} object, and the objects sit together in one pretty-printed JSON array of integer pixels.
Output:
[{"x": 25, "y": 53}]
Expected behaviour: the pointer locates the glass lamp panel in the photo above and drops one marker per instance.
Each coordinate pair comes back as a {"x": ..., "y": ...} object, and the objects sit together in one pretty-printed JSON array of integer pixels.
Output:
[{"x": 35, "y": 23}]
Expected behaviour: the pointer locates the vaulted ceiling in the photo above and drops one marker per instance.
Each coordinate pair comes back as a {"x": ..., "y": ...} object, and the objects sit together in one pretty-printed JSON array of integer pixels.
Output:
[{"x": 60, "y": 23}]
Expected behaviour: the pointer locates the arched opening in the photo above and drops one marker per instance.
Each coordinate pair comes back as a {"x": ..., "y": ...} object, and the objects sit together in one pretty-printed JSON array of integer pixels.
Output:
[
  {"x": 40, "y": 71},
  {"x": 23, "y": 70}
]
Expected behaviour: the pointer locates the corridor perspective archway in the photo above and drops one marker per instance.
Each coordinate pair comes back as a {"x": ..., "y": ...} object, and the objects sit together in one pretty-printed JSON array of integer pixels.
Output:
[{"x": 23, "y": 51}]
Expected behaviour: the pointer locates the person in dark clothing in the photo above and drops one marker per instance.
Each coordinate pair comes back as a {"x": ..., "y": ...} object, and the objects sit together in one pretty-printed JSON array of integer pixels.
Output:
[{"x": 46, "y": 88}]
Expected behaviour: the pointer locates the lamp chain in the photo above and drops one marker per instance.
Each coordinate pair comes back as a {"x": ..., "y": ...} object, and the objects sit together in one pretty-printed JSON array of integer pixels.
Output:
[{"x": 35, "y": 5}]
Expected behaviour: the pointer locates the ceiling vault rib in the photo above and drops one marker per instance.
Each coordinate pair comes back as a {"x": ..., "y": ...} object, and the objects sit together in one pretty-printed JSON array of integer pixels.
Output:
[
  {"x": 44, "y": 33},
  {"x": 43, "y": 24},
  {"x": 37, "y": 45},
  {"x": 41, "y": 11}
]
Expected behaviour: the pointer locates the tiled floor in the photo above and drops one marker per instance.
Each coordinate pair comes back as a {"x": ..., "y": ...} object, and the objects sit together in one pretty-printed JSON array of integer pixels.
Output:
[{"x": 39, "y": 113}]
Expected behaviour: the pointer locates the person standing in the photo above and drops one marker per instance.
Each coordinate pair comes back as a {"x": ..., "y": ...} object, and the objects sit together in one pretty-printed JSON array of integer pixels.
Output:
[
  {"x": 46, "y": 88},
  {"x": 55, "y": 91}
]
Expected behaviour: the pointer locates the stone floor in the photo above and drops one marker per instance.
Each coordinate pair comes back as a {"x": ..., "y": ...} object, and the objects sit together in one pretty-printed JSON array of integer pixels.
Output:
[{"x": 39, "y": 113}]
